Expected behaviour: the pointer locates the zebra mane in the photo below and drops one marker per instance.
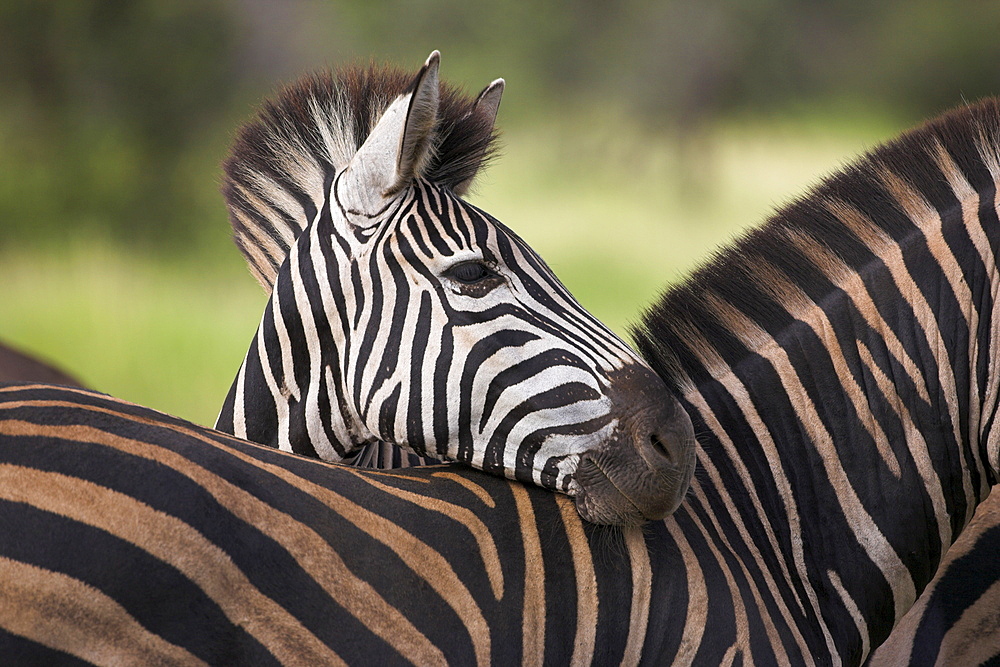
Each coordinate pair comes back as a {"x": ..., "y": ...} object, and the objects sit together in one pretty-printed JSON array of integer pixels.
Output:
[
  {"x": 276, "y": 173},
  {"x": 760, "y": 281}
]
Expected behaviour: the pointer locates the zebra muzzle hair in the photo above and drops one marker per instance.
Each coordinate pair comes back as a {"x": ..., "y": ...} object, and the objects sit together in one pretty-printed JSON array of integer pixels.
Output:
[{"x": 643, "y": 471}]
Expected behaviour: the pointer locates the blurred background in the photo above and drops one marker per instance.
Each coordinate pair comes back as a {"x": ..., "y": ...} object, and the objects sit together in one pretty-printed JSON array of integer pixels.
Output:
[{"x": 638, "y": 136}]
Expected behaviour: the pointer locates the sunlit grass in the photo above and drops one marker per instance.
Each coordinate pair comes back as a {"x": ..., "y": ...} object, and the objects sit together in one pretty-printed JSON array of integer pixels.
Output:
[{"x": 615, "y": 212}]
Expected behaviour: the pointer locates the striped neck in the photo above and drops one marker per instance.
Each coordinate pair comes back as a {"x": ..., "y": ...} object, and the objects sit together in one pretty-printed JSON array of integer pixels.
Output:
[{"x": 288, "y": 393}]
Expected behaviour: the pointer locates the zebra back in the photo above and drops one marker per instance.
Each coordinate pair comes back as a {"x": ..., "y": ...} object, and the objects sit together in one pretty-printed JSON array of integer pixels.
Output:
[{"x": 133, "y": 536}]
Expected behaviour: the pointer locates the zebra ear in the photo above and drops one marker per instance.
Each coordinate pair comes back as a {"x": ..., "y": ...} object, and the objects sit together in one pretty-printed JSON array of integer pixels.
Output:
[
  {"x": 486, "y": 106},
  {"x": 395, "y": 152}
]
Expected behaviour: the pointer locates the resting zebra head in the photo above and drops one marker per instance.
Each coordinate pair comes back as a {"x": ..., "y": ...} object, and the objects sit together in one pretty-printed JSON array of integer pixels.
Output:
[{"x": 401, "y": 313}]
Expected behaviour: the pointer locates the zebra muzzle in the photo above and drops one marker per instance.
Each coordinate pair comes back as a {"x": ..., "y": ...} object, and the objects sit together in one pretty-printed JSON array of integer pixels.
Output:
[{"x": 642, "y": 473}]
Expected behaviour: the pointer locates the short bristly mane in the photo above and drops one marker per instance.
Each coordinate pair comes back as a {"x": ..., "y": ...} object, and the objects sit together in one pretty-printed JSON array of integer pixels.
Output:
[
  {"x": 817, "y": 242},
  {"x": 282, "y": 161}
]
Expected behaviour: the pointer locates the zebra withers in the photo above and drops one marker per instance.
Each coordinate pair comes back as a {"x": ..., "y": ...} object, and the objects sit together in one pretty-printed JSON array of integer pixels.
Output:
[{"x": 402, "y": 314}]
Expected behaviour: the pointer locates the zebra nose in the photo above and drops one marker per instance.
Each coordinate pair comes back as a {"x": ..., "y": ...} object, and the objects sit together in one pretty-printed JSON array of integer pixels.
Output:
[
  {"x": 644, "y": 470},
  {"x": 659, "y": 446},
  {"x": 661, "y": 432}
]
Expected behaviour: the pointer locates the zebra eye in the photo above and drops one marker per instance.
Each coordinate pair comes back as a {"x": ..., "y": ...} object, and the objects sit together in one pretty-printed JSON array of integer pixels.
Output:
[{"x": 469, "y": 272}]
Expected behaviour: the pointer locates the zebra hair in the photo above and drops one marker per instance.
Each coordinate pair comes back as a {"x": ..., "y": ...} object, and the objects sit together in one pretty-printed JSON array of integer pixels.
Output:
[
  {"x": 970, "y": 137},
  {"x": 281, "y": 160}
]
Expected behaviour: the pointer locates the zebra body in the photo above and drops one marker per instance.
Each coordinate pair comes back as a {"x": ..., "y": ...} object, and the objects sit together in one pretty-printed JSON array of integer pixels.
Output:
[
  {"x": 15, "y": 366},
  {"x": 838, "y": 365},
  {"x": 134, "y": 538},
  {"x": 402, "y": 315},
  {"x": 956, "y": 620},
  {"x": 842, "y": 367}
]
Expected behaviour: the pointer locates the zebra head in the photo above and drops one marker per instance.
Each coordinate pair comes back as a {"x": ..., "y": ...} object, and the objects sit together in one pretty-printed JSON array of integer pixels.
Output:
[{"x": 401, "y": 313}]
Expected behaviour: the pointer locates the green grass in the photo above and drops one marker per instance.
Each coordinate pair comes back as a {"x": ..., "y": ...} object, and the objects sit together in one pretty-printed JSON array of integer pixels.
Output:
[
  {"x": 616, "y": 215},
  {"x": 161, "y": 332}
]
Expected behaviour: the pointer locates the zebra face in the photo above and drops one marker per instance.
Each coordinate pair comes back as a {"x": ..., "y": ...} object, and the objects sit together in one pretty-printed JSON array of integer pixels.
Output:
[
  {"x": 404, "y": 315},
  {"x": 466, "y": 347}
]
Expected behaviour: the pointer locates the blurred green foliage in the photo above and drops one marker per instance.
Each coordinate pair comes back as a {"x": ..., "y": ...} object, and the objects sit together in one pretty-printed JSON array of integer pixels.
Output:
[
  {"x": 639, "y": 134},
  {"x": 102, "y": 108}
]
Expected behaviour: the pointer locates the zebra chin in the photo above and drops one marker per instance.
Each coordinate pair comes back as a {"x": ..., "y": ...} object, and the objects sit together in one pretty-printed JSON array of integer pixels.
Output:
[{"x": 643, "y": 471}]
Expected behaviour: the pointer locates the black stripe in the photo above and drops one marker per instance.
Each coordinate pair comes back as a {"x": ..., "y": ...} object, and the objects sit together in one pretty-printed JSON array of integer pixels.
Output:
[
  {"x": 26, "y": 653},
  {"x": 164, "y": 602}
]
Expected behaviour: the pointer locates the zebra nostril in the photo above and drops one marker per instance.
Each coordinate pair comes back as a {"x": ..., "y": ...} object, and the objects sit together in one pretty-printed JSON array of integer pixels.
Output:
[{"x": 660, "y": 446}]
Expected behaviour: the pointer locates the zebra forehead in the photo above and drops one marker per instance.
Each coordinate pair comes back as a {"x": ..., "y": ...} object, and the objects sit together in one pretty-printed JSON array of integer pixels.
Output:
[{"x": 280, "y": 166}]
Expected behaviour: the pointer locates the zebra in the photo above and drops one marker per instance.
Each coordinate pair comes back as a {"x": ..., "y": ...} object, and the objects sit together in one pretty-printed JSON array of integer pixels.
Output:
[
  {"x": 837, "y": 363},
  {"x": 132, "y": 537},
  {"x": 16, "y": 366},
  {"x": 844, "y": 355},
  {"x": 400, "y": 314},
  {"x": 956, "y": 620}
]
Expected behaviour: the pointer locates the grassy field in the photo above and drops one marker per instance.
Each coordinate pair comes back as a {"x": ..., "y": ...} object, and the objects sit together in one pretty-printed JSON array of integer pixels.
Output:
[{"x": 618, "y": 217}]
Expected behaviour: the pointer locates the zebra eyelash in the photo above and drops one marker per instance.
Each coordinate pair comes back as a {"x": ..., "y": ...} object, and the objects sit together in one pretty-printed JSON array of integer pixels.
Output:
[
  {"x": 470, "y": 272},
  {"x": 473, "y": 278}
]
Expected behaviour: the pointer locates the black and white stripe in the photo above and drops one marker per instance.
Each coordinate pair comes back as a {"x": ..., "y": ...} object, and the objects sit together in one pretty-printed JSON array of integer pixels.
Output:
[
  {"x": 842, "y": 366},
  {"x": 402, "y": 315}
]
